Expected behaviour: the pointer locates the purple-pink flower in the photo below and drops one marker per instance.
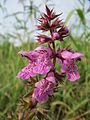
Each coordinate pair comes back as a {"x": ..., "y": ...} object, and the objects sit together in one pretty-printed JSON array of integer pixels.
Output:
[
  {"x": 44, "y": 88},
  {"x": 69, "y": 67},
  {"x": 39, "y": 62}
]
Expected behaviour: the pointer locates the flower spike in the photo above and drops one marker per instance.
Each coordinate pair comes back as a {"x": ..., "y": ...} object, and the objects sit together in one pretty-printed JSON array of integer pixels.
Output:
[{"x": 42, "y": 60}]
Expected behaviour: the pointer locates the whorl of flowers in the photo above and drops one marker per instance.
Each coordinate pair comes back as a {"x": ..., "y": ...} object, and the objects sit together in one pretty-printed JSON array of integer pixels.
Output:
[{"x": 42, "y": 60}]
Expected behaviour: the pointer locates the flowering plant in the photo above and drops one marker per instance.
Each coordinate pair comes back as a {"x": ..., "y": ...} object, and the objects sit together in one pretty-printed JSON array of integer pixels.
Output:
[{"x": 43, "y": 60}]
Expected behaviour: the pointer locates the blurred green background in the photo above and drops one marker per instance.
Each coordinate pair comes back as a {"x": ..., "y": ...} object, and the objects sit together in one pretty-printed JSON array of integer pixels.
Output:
[{"x": 72, "y": 101}]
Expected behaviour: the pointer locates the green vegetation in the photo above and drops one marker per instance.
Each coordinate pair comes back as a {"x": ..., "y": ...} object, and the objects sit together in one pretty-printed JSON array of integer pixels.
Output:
[
  {"x": 73, "y": 98},
  {"x": 10, "y": 86},
  {"x": 72, "y": 101}
]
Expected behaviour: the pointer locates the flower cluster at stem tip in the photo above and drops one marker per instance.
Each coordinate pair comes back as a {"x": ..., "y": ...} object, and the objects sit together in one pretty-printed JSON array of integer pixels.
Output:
[{"x": 42, "y": 60}]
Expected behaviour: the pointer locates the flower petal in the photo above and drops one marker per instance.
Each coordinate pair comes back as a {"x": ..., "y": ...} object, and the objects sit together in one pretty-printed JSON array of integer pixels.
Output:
[
  {"x": 66, "y": 54},
  {"x": 23, "y": 75},
  {"x": 72, "y": 76},
  {"x": 59, "y": 60},
  {"x": 26, "y": 72},
  {"x": 63, "y": 68},
  {"x": 77, "y": 55},
  {"x": 39, "y": 97},
  {"x": 29, "y": 55},
  {"x": 51, "y": 78},
  {"x": 40, "y": 83}
]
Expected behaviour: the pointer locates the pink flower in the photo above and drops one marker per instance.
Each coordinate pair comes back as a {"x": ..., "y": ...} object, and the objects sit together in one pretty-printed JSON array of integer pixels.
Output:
[
  {"x": 39, "y": 62},
  {"x": 44, "y": 88},
  {"x": 68, "y": 65},
  {"x": 70, "y": 69}
]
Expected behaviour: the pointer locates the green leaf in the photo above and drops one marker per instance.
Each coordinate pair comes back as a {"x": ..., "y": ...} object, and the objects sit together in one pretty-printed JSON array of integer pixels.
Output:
[
  {"x": 61, "y": 103},
  {"x": 81, "y": 15},
  {"x": 78, "y": 106},
  {"x": 69, "y": 16}
]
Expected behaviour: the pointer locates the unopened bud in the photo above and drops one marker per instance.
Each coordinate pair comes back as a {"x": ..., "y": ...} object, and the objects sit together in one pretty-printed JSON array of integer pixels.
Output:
[
  {"x": 44, "y": 22},
  {"x": 66, "y": 30},
  {"x": 56, "y": 35}
]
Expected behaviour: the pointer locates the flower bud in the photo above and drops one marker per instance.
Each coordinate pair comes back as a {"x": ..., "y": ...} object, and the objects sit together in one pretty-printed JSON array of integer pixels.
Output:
[
  {"x": 66, "y": 30},
  {"x": 56, "y": 35},
  {"x": 43, "y": 38},
  {"x": 44, "y": 22}
]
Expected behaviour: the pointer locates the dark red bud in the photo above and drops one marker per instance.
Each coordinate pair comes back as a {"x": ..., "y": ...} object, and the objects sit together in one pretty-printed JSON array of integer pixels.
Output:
[
  {"x": 63, "y": 31},
  {"x": 44, "y": 22},
  {"x": 66, "y": 29},
  {"x": 43, "y": 39}
]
